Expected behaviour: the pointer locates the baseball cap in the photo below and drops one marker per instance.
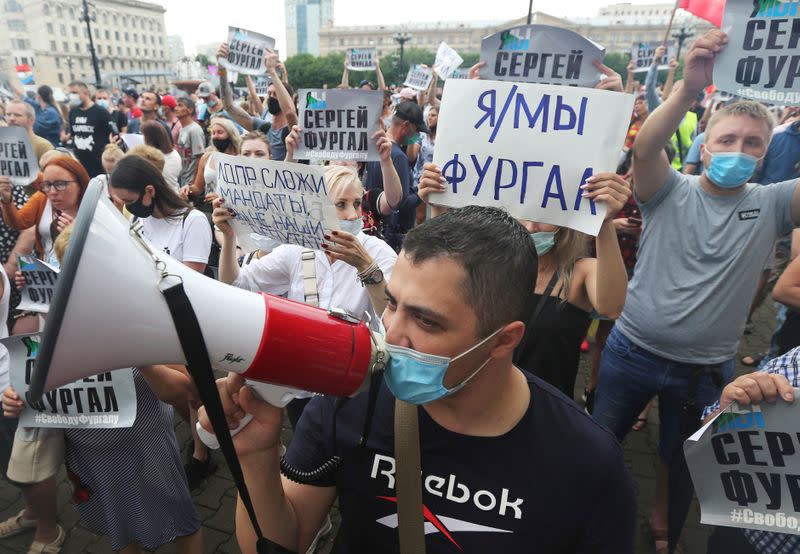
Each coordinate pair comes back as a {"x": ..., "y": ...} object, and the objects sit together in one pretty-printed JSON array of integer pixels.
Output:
[
  {"x": 132, "y": 92},
  {"x": 408, "y": 94},
  {"x": 411, "y": 112},
  {"x": 204, "y": 89},
  {"x": 169, "y": 101}
]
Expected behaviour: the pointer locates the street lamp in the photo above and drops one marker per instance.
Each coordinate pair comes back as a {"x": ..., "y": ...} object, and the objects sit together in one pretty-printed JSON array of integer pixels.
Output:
[
  {"x": 402, "y": 38},
  {"x": 88, "y": 18},
  {"x": 681, "y": 35}
]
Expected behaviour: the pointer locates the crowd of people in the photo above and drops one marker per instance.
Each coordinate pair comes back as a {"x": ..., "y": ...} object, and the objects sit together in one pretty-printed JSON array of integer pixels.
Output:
[{"x": 510, "y": 460}]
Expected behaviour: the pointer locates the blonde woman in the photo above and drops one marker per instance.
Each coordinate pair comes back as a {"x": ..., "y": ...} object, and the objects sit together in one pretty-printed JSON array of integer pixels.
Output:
[
  {"x": 225, "y": 138},
  {"x": 569, "y": 286}
]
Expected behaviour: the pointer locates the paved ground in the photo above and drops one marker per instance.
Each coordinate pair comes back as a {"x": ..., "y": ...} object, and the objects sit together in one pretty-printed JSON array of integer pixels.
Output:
[{"x": 215, "y": 499}]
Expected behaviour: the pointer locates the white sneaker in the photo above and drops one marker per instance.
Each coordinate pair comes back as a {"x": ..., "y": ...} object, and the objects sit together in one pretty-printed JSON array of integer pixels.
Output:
[{"x": 324, "y": 530}]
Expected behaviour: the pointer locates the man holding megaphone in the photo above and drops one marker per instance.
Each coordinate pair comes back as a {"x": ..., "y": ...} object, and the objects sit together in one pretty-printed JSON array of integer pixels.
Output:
[{"x": 507, "y": 461}]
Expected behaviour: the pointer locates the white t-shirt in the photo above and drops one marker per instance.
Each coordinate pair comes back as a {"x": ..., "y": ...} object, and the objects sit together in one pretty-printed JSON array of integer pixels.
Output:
[
  {"x": 172, "y": 169},
  {"x": 281, "y": 272},
  {"x": 186, "y": 240},
  {"x": 4, "y": 359}
]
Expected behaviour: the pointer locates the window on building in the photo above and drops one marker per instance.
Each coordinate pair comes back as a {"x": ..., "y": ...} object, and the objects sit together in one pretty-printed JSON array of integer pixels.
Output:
[
  {"x": 63, "y": 29},
  {"x": 135, "y": 37},
  {"x": 46, "y": 8},
  {"x": 160, "y": 41},
  {"x": 116, "y": 21},
  {"x": 133, "y": 22},
  {"x": 74, "y": 31},
  {"x": 59, "y": 12},
  {"x": 108, "y": 35},
  {"x": 77, "y": 47},
  {"x": 116, "y": 35},
  {"x": 16, "y": 24},
  {"x": 129, "y": 50},
  {"x": 61, "y": 78},
  {"x": 105, "y": 19},
  {"x": 72, "y": 13},
  {"x": 137, "y": 51},
  {"x": 127, "y": 37},
  {"x": 58, "y": 63},
  {"x": 13, "y": 6},
  {"x": 66, "y": 46},
  {"x": 113, "y": 64},
  {"x": 119, "y": 50},
  {"x": 102, "y": 63},
  {"x": 50, "y": 28},
  {"x": 52, "y": 46},
  {"x": 82, "y": 62}
]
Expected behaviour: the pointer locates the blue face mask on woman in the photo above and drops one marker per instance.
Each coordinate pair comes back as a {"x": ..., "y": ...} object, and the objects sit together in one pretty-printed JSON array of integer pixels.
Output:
[
  {"x": 729, "y": 170},
  {"x": 544, "y": 242},
  {"x": 418, "y": 378}
]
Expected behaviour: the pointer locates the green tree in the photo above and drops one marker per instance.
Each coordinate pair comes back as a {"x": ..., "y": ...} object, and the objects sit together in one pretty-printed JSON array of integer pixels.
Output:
[{"x": 202, "y": 59}]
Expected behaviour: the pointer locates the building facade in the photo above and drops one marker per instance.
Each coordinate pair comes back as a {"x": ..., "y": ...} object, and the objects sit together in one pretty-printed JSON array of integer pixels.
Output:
[
  {"x": 129, "y": 37},
  {"x": 616, "y": 27},
  {"x": 304, "y": 21}
]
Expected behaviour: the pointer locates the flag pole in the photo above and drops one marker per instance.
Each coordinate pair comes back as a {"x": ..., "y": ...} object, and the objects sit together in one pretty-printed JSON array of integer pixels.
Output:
[{"x": 671, "y": 19}]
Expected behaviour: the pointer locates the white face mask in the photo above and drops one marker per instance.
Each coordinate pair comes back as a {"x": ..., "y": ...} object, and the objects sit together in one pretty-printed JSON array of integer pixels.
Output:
[
  {"x": 353, "y": 227},
  {"x": 74, "y": 100}
]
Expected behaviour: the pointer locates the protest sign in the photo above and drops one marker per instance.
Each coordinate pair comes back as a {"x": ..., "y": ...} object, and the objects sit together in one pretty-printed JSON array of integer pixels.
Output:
[
  {"x": 528, "y": 148},
  {"x": 40, "y": 284},
  {"x": 283, "y": 201},
  {"x": 246, "y": 51},
  {"x": 541, "y": 54},
  {"x": 361, "y": 59},
  {"x": 459, "y": 74},
  {"x": 107, "y": 400},
  {"x": 447, "y": 61},
  {"x": 338, "y": 124},
  {"x": 762, "y": 58},
  {"x": 262, "y": 85},
  {"x": 745, "y": 465},
  {"x": 17, "y": 157},
  {"x": 642, "y": 54},
  {"x": 419, "y": 78},
  {"x": 131, "y": 140}
]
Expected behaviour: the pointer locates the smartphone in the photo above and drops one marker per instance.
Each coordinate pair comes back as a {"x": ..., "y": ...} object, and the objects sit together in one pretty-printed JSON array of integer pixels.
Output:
[
  {"x": 112, "y": 125},
  {"x": 635, "y": 221}
]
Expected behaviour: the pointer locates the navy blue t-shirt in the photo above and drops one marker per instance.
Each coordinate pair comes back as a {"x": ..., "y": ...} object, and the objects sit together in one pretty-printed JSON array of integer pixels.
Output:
[
  {"x": 404, "y": 218},
  {"x": 556, "y": 483}
]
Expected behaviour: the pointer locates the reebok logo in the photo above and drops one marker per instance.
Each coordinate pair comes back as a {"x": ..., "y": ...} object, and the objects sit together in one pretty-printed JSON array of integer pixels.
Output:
[{"x": 749, "y": 214}]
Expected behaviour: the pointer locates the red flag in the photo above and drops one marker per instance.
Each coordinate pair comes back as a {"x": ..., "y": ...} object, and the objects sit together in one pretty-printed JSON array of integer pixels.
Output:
[{"x": 710, "y": 10}]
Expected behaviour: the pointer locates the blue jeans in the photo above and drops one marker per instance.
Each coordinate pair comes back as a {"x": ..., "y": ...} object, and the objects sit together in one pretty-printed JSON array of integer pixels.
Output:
[{"x": 630, "y": 376}]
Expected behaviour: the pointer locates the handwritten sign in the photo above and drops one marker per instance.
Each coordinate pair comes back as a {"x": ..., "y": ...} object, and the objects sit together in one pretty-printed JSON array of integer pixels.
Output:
[
  {"x": 745, "y": 465},
  {"x": 107, "y": 400},
  {"x": 541, "y": 54},
  {"x": 447, "y": 61},
  {"x": 40, "y": 284},
  {"x": 246, "y": 51},
  {"x": 338, "y": 124},
  {"x": 284, "y": 201},
  {"x": 419, "y": 78},
  {"x": 17, "y": 157},
  {"x": 762, "y": 58},
  {"x": 642, "y": 54},
  {"x": 528, "y": 148},
  {"x": 361, "y": 59}
]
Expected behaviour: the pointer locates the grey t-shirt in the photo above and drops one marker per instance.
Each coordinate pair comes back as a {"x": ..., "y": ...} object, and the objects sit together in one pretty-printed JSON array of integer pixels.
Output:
[
  {"x": 191, "y": 145},
  {"x": 700, "y": 256}
]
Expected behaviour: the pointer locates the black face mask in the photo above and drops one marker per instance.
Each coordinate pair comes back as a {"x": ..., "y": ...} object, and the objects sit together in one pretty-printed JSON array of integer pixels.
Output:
[
  {"x": 140, "y": 210},
  {"x": 273, "y": 105},
  {"x": 221, "y": 144}
]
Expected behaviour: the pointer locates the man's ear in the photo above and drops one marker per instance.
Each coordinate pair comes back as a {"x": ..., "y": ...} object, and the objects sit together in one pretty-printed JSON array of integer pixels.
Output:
[{"x": 508, "y": 339}]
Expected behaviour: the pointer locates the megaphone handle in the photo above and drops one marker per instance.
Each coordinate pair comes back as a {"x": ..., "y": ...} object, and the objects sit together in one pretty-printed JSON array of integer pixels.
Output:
[{"x": 276, "y": 395}]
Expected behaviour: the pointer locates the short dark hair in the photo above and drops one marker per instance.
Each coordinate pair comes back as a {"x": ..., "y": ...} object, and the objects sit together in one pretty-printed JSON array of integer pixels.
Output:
[
  {"x": 158, "y": 96},
  {"x": 134, "y": 173},
  {"x": 497, "y": 254},
  {"x": 79, "y": 84},
  {"x": 46, "y": 93},
  {"x": 187, "y": 102}
]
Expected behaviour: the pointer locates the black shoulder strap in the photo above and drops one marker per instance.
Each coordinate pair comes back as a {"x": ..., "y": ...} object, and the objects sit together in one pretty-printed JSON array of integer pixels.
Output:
[
  {"x": 194, "y": 349},
  {"x": 539, "y": 307}
]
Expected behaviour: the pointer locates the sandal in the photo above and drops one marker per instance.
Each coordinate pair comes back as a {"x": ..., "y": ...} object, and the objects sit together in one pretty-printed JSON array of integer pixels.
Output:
[
  {"x": 661, "y": 542},
  {"x": 15, "y": 525},
  {"x": 53, "y": 547},
  {"x": 750, "y": 361},
  {"x": 641, "y": 423}
]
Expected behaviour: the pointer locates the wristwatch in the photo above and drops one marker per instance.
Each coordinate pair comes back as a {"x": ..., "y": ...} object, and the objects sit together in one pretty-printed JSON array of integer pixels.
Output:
[{"x": 373, "y": 278}]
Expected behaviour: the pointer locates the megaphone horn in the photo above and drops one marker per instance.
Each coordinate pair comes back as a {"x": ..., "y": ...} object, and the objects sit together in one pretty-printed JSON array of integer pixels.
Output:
[{"x": 108, "y": 312}]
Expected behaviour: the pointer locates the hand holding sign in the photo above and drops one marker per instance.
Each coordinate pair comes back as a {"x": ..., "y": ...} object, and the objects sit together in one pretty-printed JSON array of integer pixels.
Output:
[
  {"x": 223, "y": 51},
  {"x": 659, "y": 54},
  {"x": 271, "y": 61},
  {"x": 609, "y": 188},
  {"x": 699, "y": 65},
  {"x": 221, "y": 217},
  {"x": 344, "y": 246},
  {"x": 384, "y": 145},
  {"x": 12, "y": 404},
  {"x": 755, "y": 388},
  {"x": 5, "y": 189},
  {"x": 612, "y": 80},
  {"x": 292, "y": 141}
]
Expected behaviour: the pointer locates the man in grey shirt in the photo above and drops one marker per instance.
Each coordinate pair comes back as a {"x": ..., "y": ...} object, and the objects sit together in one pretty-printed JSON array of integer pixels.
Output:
[
  {"x": 191, "y": 141},
  {"x": 703, "y": 245}
]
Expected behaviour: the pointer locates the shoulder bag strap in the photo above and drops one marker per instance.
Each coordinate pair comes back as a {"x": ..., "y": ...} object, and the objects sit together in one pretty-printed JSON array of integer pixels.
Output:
[
  {"x": 310, "y": 292},
  {"x": 408, "y": 475}
]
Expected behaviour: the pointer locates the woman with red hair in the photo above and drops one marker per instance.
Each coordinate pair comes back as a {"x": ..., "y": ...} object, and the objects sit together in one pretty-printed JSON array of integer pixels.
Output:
[{"x": 52, "y": 208}]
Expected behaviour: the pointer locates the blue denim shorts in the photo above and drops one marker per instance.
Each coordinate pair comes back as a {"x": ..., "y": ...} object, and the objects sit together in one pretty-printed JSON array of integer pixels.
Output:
[{"x": 630, "y": 376}]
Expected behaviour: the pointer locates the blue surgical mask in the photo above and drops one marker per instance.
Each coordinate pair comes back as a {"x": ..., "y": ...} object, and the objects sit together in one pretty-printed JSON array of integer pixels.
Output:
[
  {"x": 418, "y": 378},
  {"x": 353, "y": 227},
  {"x": 544, "y": 242},
  {"x": 729, "y": 170},
  {"x": 103, "y": 103}
]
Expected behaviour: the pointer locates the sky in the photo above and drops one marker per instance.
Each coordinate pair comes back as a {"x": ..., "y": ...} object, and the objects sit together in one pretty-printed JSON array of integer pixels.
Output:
[{"x": 205, "y": 21}]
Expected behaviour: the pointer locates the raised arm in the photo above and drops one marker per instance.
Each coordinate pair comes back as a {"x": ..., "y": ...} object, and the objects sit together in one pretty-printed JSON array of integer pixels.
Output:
[
  {"x": 650, "y": 164},
  {"x": 345, "y": 76},
  {"x": 255, "y": 100},
  {"x": 284, "y": 98},
  {"x": 23, "y": 217},
  {"x": 673, "y": 67},
  {"x": 650, "y": 92},
  {"x": 393, "y": 192},
  {"x": 430, "y": 94},
  {"x": 629, "y": 80},
  {"x": 379, "y": 73},
  {"x": 236, "y": 112},
  {"x": 284, "y": 73}
]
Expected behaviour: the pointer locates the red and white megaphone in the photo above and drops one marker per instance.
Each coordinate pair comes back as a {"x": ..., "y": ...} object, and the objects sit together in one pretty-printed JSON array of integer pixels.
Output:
[{"x": 108, "y": 312}]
